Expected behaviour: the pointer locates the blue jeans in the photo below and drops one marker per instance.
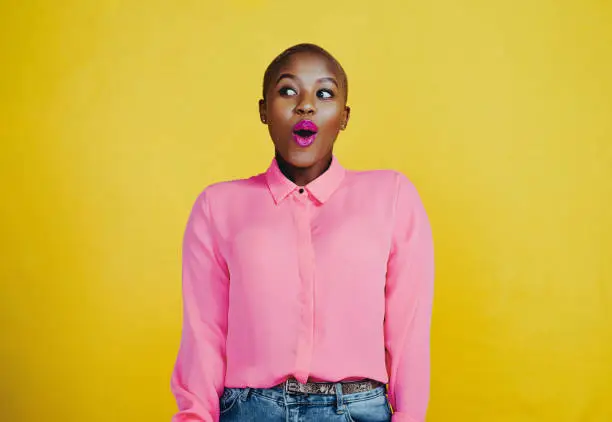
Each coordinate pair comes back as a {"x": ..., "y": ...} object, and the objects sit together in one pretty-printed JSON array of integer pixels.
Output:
[{"x": 277, "y": 405}]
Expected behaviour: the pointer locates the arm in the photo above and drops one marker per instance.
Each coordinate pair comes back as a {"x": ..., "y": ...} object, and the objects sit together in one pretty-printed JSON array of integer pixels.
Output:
[
  {"x": 198, "y": 376},
  {"x": 409, "y": 296}
]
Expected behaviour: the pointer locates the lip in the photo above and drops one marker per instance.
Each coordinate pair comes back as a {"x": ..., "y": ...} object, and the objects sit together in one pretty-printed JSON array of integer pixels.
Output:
[
  {"x": 305, "y": 125},
  {"x": 304, "y": 142},
  {"x": 308, "y": 125}
]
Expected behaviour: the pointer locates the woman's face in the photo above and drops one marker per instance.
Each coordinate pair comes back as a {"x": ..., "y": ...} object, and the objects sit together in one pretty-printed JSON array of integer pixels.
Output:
[{"x": 305, "y": 109}]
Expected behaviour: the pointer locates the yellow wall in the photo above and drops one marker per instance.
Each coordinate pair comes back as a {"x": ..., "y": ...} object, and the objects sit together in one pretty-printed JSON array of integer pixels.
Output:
[{"x": 114, "y": 115}]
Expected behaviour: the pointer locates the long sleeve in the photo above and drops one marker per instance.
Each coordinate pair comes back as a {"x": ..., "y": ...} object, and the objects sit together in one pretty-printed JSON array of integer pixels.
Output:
[
  {"x": 198, "y": 377},
  {"x": 409, "y": 297}
]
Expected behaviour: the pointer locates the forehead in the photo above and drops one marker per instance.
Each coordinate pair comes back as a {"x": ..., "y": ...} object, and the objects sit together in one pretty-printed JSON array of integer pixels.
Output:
[{"x": 308, "y": 65}]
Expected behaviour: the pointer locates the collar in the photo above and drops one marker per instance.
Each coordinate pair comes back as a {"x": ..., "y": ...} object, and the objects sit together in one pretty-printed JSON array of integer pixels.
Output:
[{"x": 321, "y": 188}]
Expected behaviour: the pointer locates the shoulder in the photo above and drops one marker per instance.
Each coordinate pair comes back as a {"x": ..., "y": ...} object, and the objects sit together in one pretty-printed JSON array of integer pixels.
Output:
[
  {"x": 224, "y": 192},
  {"x": 391, "y": 181},
  {"x": 391, "y": 187}
]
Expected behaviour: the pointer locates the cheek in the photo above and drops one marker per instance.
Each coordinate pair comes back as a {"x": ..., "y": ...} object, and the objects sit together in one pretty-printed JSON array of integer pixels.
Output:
[
  {"x": 332, "y": 117},
  {"x": 281, "y": 109}
]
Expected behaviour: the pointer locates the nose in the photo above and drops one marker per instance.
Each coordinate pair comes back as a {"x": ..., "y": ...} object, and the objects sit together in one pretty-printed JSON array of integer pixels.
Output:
[{"x": 305, "y": 106}]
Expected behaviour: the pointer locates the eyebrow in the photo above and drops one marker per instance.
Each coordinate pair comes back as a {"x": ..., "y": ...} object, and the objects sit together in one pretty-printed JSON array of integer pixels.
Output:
[{"x": 291, "y": 76}]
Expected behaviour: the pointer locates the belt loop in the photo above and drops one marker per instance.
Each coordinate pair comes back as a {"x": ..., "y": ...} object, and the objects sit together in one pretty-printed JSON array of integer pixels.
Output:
[
  {"x": 285, "y": 402},
  {"x": 340, "y": 406}
]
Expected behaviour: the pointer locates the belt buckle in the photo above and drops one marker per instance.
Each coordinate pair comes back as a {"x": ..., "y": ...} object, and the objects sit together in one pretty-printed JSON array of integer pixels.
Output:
[{"x": 292, "y": 386}]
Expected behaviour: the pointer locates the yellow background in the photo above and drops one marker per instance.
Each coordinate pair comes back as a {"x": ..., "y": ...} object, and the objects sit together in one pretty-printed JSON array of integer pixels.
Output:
[{"x": 115, "y": 115}]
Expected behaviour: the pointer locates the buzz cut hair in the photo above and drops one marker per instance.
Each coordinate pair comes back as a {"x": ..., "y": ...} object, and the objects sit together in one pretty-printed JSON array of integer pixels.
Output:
[{"x": 284, "y": 57}]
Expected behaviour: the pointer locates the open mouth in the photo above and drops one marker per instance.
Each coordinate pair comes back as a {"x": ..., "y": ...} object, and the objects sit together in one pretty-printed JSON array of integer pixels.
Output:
[{"x": 305, "y": 132}]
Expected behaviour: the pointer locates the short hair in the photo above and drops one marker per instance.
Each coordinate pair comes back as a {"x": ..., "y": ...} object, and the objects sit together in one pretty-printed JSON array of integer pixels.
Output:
[{"x": 283, "y": 57}]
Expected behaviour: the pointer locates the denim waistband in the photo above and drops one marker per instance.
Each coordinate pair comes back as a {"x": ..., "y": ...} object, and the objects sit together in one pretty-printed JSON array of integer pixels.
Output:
[{"x": 279, "y": 395}]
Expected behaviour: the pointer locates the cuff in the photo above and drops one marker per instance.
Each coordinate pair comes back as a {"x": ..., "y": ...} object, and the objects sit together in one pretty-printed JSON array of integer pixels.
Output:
[{"x": 402, "y": 417}]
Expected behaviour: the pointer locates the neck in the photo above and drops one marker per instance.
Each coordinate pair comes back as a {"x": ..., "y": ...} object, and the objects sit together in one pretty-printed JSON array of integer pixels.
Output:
[{"x": 302, "y": 176}]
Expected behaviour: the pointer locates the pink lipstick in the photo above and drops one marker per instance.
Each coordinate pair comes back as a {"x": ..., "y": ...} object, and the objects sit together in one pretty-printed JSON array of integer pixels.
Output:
[{"x": 305, "y": 132}]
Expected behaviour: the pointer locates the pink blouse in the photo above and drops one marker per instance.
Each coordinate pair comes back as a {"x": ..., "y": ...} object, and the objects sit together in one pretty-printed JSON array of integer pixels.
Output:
[{"x": 331, "y": 281}]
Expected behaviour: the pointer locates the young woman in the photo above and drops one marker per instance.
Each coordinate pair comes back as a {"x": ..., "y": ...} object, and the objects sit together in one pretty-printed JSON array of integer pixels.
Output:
[{"x": 309, "y": 287}]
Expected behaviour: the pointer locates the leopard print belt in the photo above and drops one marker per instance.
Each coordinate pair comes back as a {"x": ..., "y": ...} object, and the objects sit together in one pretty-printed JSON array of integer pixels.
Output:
[{"x": 294, "y": 386}]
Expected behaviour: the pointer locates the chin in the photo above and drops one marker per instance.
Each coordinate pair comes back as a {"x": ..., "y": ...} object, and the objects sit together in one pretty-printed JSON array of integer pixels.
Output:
[{"x": 302, "y": 158}]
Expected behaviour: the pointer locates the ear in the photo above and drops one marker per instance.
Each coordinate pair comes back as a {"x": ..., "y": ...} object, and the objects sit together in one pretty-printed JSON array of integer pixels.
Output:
[
  {"x": 346, "y": 114},
  {"x": 262, "y": 112}
]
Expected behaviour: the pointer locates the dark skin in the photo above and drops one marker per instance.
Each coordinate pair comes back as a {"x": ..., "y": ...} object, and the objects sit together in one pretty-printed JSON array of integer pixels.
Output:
[{"x": 307, "y": 87}]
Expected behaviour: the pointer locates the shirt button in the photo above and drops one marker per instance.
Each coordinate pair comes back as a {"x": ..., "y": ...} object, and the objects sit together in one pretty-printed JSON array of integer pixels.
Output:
[{"x": 301, "y": 190}]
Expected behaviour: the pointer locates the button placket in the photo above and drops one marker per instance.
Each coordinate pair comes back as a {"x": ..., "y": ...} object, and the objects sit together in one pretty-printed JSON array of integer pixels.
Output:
[{"x": 306, "y": 272}]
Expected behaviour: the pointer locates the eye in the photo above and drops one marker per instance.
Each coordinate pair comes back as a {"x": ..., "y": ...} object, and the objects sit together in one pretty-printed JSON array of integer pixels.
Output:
[
  {"x": 287, "y": 91},
  {"x": 325, "y": 94}
]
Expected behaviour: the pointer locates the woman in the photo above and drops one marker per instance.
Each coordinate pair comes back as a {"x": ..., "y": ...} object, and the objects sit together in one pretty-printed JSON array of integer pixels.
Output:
[{"x": 309, "y": 287}]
